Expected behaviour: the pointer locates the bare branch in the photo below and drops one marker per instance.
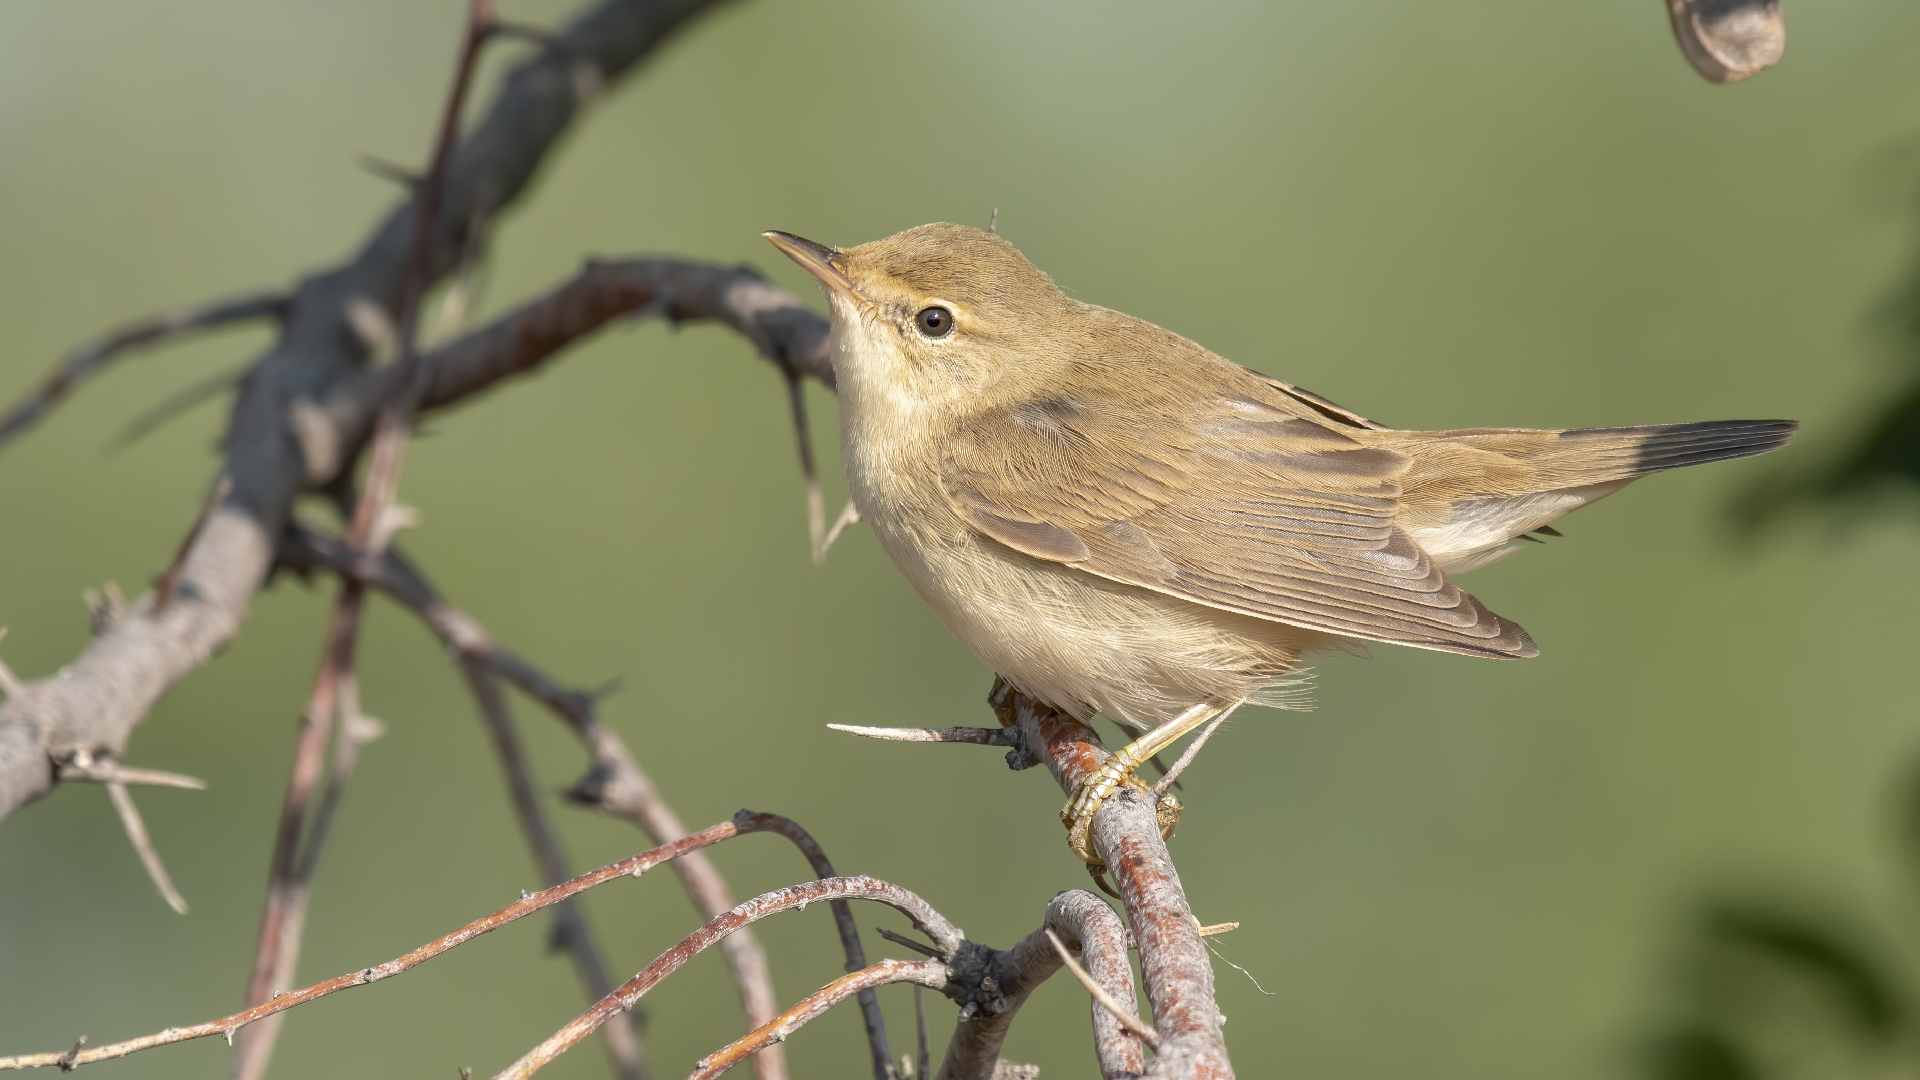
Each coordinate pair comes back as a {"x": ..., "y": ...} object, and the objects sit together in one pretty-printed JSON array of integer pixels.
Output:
[
  {"x": 282, "y": 438},
  {"x": 919, "y": 972},
  {"x": 858, "y": 887},
  {"x": 975, "y": 735},
  {"x": 1105, "y": 1000},
  {"x": 90, "y": 359},
  {"x": 143, "y": 845},
  {"x": 632, "y": 866},
  {"x": 1172, "y": 776}
]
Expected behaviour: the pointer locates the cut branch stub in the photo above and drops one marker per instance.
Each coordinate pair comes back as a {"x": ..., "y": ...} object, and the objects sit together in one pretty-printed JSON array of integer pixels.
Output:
[{"x": 1729, "y": 40}]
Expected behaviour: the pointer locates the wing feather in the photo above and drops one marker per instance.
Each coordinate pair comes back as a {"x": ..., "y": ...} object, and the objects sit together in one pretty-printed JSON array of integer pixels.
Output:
[{"x": 1257, "y": 505}]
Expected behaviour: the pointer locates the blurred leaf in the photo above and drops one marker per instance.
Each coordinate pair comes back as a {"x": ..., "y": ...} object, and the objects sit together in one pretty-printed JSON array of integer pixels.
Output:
[
  {"x": 1699, "y": 1052},
  {"x": 1860, "y": 989}
]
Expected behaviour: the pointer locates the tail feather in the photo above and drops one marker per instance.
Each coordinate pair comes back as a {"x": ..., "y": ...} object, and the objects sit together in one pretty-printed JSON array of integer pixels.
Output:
[{"x": 1626, "y": 452}]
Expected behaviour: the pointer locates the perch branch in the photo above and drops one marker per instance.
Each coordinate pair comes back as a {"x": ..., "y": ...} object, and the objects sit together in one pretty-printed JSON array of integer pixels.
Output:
[
  {"x": 1126, "y": 836},
  {"x": 90, "y": 359}
]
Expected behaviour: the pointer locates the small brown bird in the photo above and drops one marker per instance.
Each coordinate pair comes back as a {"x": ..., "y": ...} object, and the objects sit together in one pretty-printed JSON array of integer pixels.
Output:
[{"x": 1118, "y": 521}]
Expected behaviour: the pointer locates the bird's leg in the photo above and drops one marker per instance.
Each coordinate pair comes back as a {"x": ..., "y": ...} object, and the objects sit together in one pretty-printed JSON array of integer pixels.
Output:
[{"x": 1117, "y": 772}]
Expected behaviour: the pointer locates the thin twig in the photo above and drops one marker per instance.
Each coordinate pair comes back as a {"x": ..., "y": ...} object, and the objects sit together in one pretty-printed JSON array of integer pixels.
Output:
[
  {"x": 9, "y": 682},
  {"x": 975, "y": 735},
  {"x": 89, "y": 359},
  {"x": 904, "y": 940},
  {"x": 632, "y": 866},
  {"x": 792, "y": 897},
  {"x": 921, "y": 973},
  {"x": 142, "y": 843},
  {"x": 151, "y": 419},
  {"x": 809, "y": 475},
  {"x": 570, "y": 921},
  {"x": 923, "y": 1064},
  {"x": 849, "y": 515},
  {"x": 1126, "y": 1016},
  {"x": 276, "y": 951},
  {"x": 1192, "y": 751},
  {"x": 169, "y": 580}
]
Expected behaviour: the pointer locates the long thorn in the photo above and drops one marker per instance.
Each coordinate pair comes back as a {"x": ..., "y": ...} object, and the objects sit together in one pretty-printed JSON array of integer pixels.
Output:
[{"x": 143, "y": 845}]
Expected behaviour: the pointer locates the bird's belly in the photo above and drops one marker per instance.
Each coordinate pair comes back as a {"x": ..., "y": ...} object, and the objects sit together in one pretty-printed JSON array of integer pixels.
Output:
[{"x": 1086, "y": 644}]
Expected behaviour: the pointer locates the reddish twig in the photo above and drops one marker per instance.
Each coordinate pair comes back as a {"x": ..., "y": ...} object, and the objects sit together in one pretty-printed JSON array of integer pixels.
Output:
[
  {"x": 570, "y": 921},
  {"x": 614, "y": 784},
  {"x": 90, "y": 359},
  {"x": 919, "y": 972},
  {"x": 924, "y": 917},
  {"x": 632, "y": 866},
  {"x": 277, "y": 951},
  {"x": 1126, "y": 836}
]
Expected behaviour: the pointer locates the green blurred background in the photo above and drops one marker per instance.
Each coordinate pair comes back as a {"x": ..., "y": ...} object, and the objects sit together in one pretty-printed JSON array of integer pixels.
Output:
[{"x": 1490, "y": 212}]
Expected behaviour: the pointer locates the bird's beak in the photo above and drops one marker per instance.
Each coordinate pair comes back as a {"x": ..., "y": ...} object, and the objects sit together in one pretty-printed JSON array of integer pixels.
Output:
[{"x": 823, "y": 262}]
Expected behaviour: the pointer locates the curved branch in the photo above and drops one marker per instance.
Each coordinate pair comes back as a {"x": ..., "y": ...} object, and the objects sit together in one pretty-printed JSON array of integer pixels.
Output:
[
  {"x": 857, "y": 887},
  {"x": 922, "y": 972}
]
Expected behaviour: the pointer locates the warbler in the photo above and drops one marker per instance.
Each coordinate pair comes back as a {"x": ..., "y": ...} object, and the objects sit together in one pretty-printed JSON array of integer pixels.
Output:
[{"x": 1118, "y": 521}]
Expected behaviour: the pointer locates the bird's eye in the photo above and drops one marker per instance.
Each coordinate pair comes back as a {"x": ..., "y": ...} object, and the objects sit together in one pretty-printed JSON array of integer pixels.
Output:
[{"x": 934, "y": 321}]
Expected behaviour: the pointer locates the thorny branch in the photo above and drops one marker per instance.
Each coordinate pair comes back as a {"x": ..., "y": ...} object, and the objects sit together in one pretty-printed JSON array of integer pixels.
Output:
[
  {"x": 947, "y": 938},
  {"x": 632, "y": 866},
  {"x": 304, "y": 407}
]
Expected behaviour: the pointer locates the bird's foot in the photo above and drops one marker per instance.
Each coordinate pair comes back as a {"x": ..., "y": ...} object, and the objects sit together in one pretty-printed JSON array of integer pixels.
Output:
[{"x": 1095, "y": 789}]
